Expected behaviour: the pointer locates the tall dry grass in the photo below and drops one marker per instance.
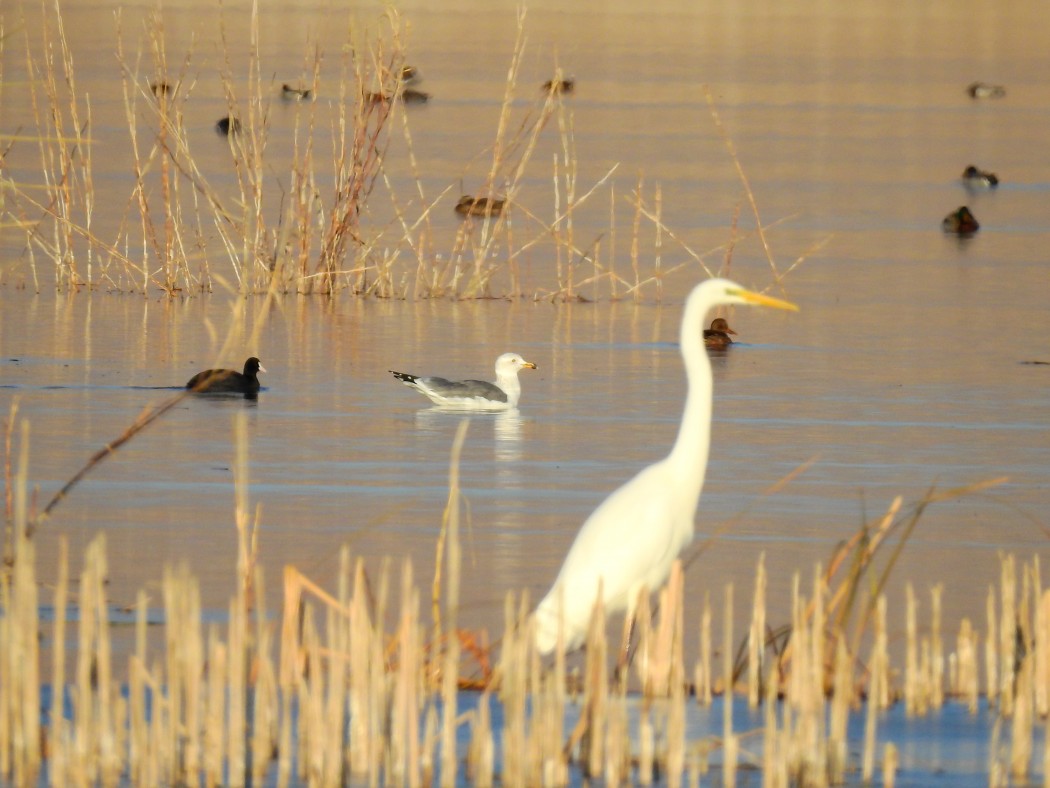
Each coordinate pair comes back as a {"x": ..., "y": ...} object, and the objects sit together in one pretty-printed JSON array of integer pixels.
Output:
[{"x": 308, "y": 226}]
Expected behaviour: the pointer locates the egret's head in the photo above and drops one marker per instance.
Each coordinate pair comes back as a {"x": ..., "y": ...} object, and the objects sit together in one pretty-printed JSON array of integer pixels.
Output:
[{"x": 724, "y": 291}]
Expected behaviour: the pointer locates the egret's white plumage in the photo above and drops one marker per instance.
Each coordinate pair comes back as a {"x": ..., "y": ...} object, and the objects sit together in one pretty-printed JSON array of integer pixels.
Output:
[
  {"x": 631, "y": 540},
  {"x": 474, "y": 394}
]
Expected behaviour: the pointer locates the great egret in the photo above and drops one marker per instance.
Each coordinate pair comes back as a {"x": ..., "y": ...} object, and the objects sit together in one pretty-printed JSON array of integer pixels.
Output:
[
  {"x": 631, "y": 540},
  {"x": 228, "y": 381},
  {"x": 474, "y": 394},
  {"x": 717, "y": 336}
]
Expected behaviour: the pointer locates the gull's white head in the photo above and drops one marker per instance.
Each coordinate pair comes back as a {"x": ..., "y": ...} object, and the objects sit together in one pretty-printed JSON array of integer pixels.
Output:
[{"x": 510, "y": 363}]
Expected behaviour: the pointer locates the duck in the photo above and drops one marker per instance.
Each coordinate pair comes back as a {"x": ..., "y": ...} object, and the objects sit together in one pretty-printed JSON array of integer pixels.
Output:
[
  {"x": 409, "y": 74},
  {"x": 960, "y": 222},
  {"x": 289, "y": 93},
  {"x": 160, "y": 88},
  {"x": 473, "y": 394},
  {"x": 228, "y": 381},
  {"x": 982, "y": 90},
  {"x": 413, "y": 96},
  {"x": 717, "y": 336},
  {"x": 409, "y": 96},
  {"x": 227, "y": 126},
  {"x": 560, "y": 85},
  {"x": 479, "y": 206},
  {"x": 979, "y": 179}
]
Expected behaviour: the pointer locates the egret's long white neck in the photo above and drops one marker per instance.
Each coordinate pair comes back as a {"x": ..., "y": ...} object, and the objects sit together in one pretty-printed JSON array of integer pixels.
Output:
[{"x": 688, "y": 458}]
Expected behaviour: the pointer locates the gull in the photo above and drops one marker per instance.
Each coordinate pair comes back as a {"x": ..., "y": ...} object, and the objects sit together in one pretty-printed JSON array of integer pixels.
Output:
[{"x": 474, "y": 394}]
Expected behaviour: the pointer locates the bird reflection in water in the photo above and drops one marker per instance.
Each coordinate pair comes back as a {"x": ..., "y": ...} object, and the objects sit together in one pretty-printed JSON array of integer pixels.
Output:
[
  {"x": 506, "y": 427},
  {"x": 507, "y": 434}
]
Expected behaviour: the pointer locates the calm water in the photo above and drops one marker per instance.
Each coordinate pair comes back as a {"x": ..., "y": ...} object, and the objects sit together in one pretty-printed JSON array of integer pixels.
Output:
[{"x": 902, "y": 371}]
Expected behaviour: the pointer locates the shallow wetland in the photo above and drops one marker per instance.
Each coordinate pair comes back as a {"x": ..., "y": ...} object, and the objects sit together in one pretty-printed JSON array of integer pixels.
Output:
[{"x": 918, "y": 361}]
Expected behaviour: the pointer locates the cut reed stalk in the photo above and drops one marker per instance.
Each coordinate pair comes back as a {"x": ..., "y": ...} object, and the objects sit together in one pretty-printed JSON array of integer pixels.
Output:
[
  {"x": 1008, "y": 629},
  {"x": 757, "y": 636},
  {"x": 965, "y": 684},
  {"x": 936, "y": 678},
  {"x": 58, "y": 732},
  {"x": 991, "y": 650},
  {"x": 729, "y": 741},
  {"x": 20, "y": 725},
  {"x": 1022, "y": 723},
  {"x": 1042, "y": 655},
  {"x": 914, "y": 700},
  {"x": 597, "y": 713},
  {"x": 842, "y": 700},
  {"x": 876, "y": 690},
  {"x": 704, "y": 678},
  {"x": 450, "y": 668},
  {"x": 512, "y": 691},
  {"x": 890, "y": 762},
  {"x": 264, "y": 693}
]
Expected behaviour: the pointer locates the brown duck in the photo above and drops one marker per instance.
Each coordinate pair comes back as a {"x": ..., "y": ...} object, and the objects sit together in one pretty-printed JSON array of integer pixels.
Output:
[
  {"x": 479, "y": 206},
  {"x": 717, "y": 336},
  {"x": 960, "y": 222}
]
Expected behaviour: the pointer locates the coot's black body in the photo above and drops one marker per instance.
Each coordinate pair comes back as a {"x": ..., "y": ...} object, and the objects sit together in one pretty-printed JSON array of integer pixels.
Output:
[{"x": 228, "y": 381}]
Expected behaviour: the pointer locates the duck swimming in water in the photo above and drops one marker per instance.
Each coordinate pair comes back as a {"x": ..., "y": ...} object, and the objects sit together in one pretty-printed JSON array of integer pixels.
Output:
[
  {"x": 717, "y": 336},
  {"x": 227, "y": 126},
  {"x": 479, "y": 206},
  {"x": 982, "y": 90},
  {"x": 979, "y": 179},
  {"x": 408, "y": 96},
  {"x": 290, "y": 93},
  {"x": 560, "y": 85},
  {"x": 960, "y": 222}
]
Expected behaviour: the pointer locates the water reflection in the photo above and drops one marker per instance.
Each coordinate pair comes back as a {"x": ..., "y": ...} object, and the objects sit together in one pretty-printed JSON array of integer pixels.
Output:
[
  {"x": 506, "y": 427},
  {"x": 507, "y": 431}
]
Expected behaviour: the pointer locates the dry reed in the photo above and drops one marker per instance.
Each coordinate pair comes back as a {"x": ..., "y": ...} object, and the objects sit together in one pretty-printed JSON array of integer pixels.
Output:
[{"x": 304, "y": 230}]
